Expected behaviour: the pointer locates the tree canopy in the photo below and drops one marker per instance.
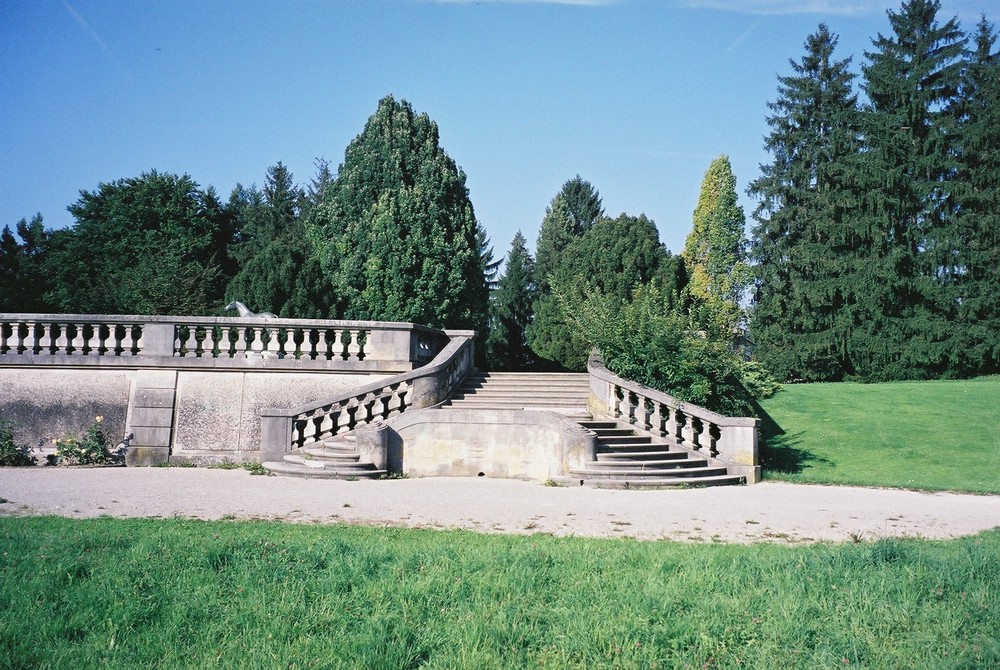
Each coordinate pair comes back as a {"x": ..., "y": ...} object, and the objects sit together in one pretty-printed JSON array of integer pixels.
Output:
[
  {"x": 396, "y": 232},
  {"x": 153, "y": 244}
]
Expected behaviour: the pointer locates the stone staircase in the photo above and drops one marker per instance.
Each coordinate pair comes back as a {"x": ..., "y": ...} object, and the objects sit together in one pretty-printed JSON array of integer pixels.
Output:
[
  {"x": 336, "y": 458},
  {"x": 562, "y": 392},
  {"x": 627, "y": 460}
]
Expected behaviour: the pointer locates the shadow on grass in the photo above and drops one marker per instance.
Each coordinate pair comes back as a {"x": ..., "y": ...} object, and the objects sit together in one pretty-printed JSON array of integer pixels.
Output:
[{"x": 779, "y": 451}]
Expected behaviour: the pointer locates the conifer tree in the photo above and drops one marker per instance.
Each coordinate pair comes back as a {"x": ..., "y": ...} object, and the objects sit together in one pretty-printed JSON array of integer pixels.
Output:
[
  {"x": 802, "y": 254},
  {"x": 279, "y": 271},
  {"x": 715, "y": 253},
  {"x": 976, "y": 333},
  {"x": 396, "y": 232},
  {"x": 907, "y": 176},
  {"x": 572, "y": 212},
  {"x": 511, "y": 310}
]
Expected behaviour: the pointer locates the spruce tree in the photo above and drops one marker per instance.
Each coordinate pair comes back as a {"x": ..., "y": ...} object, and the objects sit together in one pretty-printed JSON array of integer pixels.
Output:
[
  {"x": 511, "y": 310},
  {"x": 572, "y": 212},
  {"x": 396, "y": 232},
  {"x": 976, "y": 333},
  {"x": 804, "y": 267},
  {"x": 279, "y": 270},
  {"x": 908, "y": 166},
  {"x": 715, "y": 252}
]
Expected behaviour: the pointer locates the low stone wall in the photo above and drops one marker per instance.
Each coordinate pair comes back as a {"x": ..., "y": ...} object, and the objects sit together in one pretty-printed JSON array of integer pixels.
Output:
[
  {"x": 513, "y": 444},
  {"x": 186, "y": 415}
]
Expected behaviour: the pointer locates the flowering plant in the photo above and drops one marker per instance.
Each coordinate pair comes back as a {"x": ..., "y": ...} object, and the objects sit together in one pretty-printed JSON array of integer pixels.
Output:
[{"x": 93, "y": 448}]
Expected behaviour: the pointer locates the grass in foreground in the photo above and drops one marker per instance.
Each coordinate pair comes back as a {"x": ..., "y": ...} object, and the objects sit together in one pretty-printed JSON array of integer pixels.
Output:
[
  {"x": 178, "y": 593},
  {"x": 937, "y": 435}
]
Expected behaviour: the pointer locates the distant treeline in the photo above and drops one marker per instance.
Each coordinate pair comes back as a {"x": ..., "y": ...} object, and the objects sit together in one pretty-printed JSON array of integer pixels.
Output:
[{"x": 875, "y": 253}]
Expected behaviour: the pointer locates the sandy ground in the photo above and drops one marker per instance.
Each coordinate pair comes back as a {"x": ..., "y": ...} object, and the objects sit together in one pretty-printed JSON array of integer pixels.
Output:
[{"x": 768, "y": 512}]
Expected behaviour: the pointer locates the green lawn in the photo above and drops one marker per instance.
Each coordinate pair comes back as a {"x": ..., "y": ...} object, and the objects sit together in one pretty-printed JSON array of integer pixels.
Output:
[
  {"x": 942, "y": 435},
  {"x": 176, "y": 593}
]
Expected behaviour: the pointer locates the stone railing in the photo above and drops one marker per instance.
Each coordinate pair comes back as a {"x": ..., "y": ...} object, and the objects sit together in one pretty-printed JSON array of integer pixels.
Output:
[
  {"x": 731, "y": 441},
  {"x": 186, "y": 342},
  {"x": 285, "y": 429}
]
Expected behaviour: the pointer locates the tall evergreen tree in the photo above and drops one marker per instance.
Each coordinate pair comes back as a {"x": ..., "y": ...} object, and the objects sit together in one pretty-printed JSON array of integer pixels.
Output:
[
  {"x": 572, "y": 212},
  {"x": 907, "y": 176},
  {"x": 511, "y": 310},
  {"x": 154, "y": 244},
  {"x": 612, "y": 259},
  {"x": 715, "y": 252},
  {"x": 396, "y": 231},
  {"x": 23, "y": 281},
  {"x": 977, "y": 259},
  {"x": 802, "y": 254},
  {"x": 279, "y": 271}
]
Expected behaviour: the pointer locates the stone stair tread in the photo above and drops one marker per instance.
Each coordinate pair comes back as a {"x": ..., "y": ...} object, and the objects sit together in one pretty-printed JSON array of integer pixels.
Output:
[
  {"x": 642, "y": 455},
  {"x": 649, "y": 483},
  {"x": 294, "y": 470},
  {"x": 672, "y": 464},
  {"x": 330, "y": 454},
  {"x": 614, "y": 473}
]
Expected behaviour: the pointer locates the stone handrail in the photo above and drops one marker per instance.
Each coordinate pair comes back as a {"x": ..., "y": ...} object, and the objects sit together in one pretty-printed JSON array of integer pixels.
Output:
[
  {"x": 217, "y": 342},
  {"x": 731, "y": 441},
  {"x": 285, "y": 429}
]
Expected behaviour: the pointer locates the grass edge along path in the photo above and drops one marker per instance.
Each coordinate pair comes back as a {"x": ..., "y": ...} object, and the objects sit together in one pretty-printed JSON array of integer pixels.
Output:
[
  {"x": 929, "y": 435},
  {"x": 182, "y": 593}
]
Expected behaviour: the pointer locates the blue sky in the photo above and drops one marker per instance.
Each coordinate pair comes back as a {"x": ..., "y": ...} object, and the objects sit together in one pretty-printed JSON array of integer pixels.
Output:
[{"x": 636, "y": 96}]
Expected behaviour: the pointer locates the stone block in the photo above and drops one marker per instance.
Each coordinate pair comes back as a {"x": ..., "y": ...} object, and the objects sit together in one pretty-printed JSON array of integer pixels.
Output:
[
  {"x": 146, "y": 436},
  {"x": 154, "y": 397},
  {"x": 146, "y": 456},
  {"x": 158, "y": 417}
]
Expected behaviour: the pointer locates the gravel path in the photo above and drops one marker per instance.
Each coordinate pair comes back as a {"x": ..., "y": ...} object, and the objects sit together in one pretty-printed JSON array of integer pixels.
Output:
[{"x": 768, "y": 512}]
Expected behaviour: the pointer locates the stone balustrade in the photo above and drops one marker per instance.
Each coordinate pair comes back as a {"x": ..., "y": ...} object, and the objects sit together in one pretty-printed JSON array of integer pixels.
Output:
[
  {"x": 223, "y": 342},
  {"x": 285, "y": 429},
  {"x": 731, "y": 441}
]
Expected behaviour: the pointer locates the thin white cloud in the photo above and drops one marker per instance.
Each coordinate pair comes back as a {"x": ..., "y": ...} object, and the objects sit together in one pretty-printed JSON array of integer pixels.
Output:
[
  {"x": 100, "y": 42},
  {"x": 781, "y": 7},
  {"x": 743, "y": 37}
]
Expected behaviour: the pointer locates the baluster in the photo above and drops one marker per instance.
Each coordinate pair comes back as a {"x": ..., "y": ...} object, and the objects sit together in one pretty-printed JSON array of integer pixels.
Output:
[
  {"x": 273, "y": 346},
  {"x": 135, "y": 343},
  {"x": 336, "y": 345},
  {"x": 5, "y": 328},
  {"x": 211, "y": 344},
  {"x": 21, "y": 332},
  {"x": 360, "y": 340},
  {"x": 118, "y": 334},
  {"x": 656, "y": 419},
  {"x": 43, "y": 343},
  {"x": 692, "y": 426},
  {"x": 59, "y": 342},
  {"x": 79, "y": 343},
  {"x": 670, "y": 423},
  {"x": 647, "y": 413},
  {"x": 679, "y": 422},
  {"x": 190, "y": 343},
  {"x": 255, "y": 343},
  {"x": 714, "y": 433},
  {"x": 309, "y": 429},
  {"x": 298, "y": 432},
  {"x": 240, "y": 346}
]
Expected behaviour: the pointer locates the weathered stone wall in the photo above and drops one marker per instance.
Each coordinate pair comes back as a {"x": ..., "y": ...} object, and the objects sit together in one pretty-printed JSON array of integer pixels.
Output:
[
  {"x": 218, "y": 413},
  {"x": 49, "y": 403},
  {"x": 203, "y": 416},
  {"x": 491, "y": 443}
]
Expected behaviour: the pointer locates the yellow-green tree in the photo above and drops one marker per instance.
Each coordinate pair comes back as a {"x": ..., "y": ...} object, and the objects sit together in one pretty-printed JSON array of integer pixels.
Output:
[{"x": 715, "y": 254}]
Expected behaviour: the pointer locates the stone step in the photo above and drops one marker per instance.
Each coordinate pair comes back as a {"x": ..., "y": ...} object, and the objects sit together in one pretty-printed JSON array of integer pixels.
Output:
[
  {"x": 331, "y": 454},
  {"x": 597, "y": 425},
  {"x": 320, "y": 463},
  {"x": 637, "y": 466},
  {"x": 650, "y": 482},
  {"x": 642, "y": 455},
  {"x": 613, "y": 432},
  {"x": 296, "y": 470},
  {"x": 604, "y": 472},
  {"x": 624, "y": 440}
]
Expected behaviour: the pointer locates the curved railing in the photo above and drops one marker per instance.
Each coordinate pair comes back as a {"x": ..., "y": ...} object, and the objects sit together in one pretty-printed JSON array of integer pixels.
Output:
[
  {"x": 732, "y": 441},
  {"x": 285, "y": 429},
  {"x": 186, "y": 342}
]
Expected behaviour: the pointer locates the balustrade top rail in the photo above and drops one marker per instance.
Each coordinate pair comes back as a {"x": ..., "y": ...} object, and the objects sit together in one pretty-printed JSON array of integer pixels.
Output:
[{"x": 186, "y": 342}]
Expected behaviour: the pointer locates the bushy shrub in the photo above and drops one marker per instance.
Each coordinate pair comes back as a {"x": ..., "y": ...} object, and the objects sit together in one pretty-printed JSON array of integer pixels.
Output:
[
  {"x": 94, "y": 448},
  {"x": 12, "y": 454},
  {"x": 651, "y": 341}
]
